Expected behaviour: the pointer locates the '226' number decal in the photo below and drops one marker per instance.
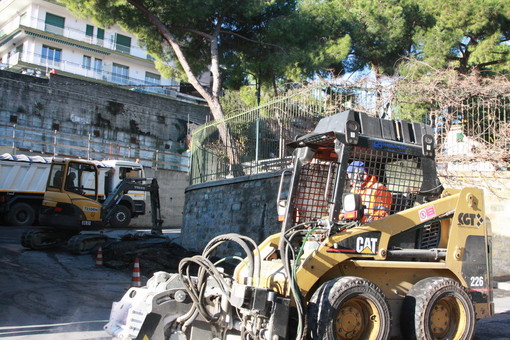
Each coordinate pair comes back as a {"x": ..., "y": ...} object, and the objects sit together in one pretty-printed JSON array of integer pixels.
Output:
[{"x": 476, "y": 281}]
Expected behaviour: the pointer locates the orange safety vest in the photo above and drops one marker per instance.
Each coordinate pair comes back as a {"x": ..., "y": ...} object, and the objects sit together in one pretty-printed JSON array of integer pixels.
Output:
[{"x": 376, "y": 198}]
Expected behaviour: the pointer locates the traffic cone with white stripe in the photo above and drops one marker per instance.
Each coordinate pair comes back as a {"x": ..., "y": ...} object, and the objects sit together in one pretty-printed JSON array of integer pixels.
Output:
[
  {"x": 136, "y": 280},
  {"x": 99, "y": 256}
]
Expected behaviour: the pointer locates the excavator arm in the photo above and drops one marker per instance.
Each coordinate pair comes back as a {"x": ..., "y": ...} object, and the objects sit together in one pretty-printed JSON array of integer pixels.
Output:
[{"x": 136, "y": 184}]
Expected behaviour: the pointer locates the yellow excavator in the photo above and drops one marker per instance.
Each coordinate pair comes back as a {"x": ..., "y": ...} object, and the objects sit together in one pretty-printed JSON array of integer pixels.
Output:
[
  {"x": 78, "y": 202},
  {"x": 371, "y": 247}
]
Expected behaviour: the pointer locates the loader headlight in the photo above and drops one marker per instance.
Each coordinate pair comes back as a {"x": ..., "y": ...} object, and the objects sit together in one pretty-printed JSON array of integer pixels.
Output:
[
  {"x": 352, "y": 130},
  {"x": 428, "y": 145},
  {"x": 353, "y": 207}
]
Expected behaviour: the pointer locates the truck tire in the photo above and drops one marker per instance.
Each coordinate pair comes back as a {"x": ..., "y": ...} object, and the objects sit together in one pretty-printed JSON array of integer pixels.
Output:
[
  {"x": 21, "y": 215},
  {"x": 437, "y": 308},
  {"x": 348, "y": 308},
  {"x": 121, "y": 217}
]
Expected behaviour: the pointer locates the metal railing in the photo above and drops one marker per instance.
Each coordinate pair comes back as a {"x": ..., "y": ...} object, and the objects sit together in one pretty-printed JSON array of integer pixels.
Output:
[
  {"x": 73, "y": 33},
  {"x": 19, "y": 140},
  {"x": 476, "y": 130},
  {"x": 261, "y": 134},
  {"x": 171, "y": 90}
]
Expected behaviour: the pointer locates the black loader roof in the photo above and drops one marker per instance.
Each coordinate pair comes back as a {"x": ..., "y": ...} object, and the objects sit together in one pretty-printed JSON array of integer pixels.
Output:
[{"x": 348, "y": 126}]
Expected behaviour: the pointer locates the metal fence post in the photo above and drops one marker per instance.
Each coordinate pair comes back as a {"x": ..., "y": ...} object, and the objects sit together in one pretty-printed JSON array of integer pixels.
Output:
[
  {"x": 14, "y": 139},
  {"x": 55, "y": 143}
]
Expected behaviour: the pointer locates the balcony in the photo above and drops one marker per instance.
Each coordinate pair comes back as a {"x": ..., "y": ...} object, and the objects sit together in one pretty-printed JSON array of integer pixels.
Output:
[
  {"x": 45, "y": 65},
  {"x": 79, "y": 35}
]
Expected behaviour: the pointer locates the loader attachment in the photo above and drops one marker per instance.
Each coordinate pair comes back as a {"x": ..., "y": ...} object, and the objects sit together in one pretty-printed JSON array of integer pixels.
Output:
[{"x": 150, "y": 310}]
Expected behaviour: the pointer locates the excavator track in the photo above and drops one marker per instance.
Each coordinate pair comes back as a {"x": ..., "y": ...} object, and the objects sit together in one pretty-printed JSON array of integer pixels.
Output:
[
  {"x": 44, "y": 238},
  {"x": 85, "y": 243}
]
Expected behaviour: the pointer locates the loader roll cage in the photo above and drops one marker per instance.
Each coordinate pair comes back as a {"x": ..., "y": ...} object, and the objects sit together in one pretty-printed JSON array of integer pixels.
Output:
[{"x": 399, "y": 155}]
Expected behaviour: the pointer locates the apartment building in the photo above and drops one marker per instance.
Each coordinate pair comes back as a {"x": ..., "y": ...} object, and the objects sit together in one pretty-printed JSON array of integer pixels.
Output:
[{"x": 39, "y": 37}]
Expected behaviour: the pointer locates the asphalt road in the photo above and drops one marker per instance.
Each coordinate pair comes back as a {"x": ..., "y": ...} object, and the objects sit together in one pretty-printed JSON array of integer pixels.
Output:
[{"x": 55, "y": 295}]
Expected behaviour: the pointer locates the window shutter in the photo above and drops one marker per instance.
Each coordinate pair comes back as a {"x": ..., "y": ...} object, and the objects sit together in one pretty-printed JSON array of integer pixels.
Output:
[
  {"x": 100, "y": 33},
  {"x": 55, "y": 20},
  {"x": 89, "y": 31},
  {"x": 123, "y": 40}
]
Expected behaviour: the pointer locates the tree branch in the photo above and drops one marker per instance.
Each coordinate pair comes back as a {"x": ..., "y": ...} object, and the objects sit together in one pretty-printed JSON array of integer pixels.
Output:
[
  {"x": 250, "y": 40},
  {"x": 489, "y": 63},
  {"x": 191, "y": 30}
]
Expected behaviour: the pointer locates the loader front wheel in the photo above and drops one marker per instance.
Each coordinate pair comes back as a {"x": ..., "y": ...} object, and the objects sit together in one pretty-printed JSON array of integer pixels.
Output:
[
  {"x": 350, "y": 308},
  {"x": 437, "y": 308}
]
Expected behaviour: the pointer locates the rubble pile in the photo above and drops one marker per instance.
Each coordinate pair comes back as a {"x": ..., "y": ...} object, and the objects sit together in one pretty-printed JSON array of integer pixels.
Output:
[{"x": 154, "y": 253}]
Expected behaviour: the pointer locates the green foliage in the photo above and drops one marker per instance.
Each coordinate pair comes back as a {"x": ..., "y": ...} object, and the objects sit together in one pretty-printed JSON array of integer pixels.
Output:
[
  {"x": 466, "y": 34},
  {"x": 381, "y": 31}
]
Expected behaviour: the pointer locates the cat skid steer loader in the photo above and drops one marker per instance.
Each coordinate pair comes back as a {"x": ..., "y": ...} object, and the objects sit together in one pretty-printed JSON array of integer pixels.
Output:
[{"x": 410, "y": 261}]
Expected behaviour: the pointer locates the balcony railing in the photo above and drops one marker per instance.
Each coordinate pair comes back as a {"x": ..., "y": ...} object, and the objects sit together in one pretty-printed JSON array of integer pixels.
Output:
[
  {"x": 71, "y": 33},
  {"x": 47, "y": 65}
]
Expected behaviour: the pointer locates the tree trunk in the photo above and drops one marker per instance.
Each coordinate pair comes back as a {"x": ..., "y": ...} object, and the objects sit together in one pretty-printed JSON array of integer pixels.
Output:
[{"x": 212, "y": 97}]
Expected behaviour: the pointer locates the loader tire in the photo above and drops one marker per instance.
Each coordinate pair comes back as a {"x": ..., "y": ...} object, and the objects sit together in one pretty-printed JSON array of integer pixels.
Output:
[
  {"x": 21, "y": 215},
  {"x": 437, "y": 308},
  {"x": 348, "y": 308},
  {"x": 121, "y": 217}
]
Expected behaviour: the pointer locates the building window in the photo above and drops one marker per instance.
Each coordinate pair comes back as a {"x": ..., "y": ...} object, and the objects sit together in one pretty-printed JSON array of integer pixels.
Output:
[
  {"x": 51, "y": 56},
  {"x": 23, "y": 19},
  {"x": 100, "y": 33},
  {"x": 89, "y": 31},
  {"x": 98, "y": 65},
  {"x": 122, "y": 43},
  {"x": 152, "y": 79},
  {"x": 120, "y": 73},
  {"x": 54, "y": 24},
  {"x": 87, "y": 62}
]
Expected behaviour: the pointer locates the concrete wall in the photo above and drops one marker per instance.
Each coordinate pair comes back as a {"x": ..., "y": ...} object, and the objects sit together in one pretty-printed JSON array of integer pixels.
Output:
[
  {"x": 81, "y": 108},
  {"x": 247, "y": 205},
  {"x": 172, "y": 185}
]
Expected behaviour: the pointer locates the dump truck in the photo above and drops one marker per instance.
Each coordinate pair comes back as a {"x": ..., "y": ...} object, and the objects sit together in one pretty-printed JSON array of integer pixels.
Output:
[
  {"x": 22, "y": 185},
  {"x": 371, "y": 247},
  {"x": 23, "y": 181},
  {"x": 79, "y": 199}
]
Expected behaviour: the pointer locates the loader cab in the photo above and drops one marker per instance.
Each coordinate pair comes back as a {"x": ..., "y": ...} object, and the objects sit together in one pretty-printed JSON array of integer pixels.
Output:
[{"x": 389, "y": 164}]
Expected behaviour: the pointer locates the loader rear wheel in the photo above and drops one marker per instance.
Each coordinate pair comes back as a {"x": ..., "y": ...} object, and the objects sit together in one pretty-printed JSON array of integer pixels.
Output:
[
  {"x": 437, "y": 308},
  {"x": 348, "y": 308},
  {"x": 121, "y": 217},
  {"x": 21, "y": 215}
]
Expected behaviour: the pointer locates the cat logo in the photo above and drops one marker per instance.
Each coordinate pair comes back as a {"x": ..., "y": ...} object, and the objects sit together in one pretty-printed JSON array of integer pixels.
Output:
[{"x": 366, "y": 245}]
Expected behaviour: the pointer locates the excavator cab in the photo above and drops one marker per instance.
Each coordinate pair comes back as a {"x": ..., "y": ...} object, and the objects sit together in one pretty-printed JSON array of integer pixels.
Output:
[{"x": 70, "y": 200}]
